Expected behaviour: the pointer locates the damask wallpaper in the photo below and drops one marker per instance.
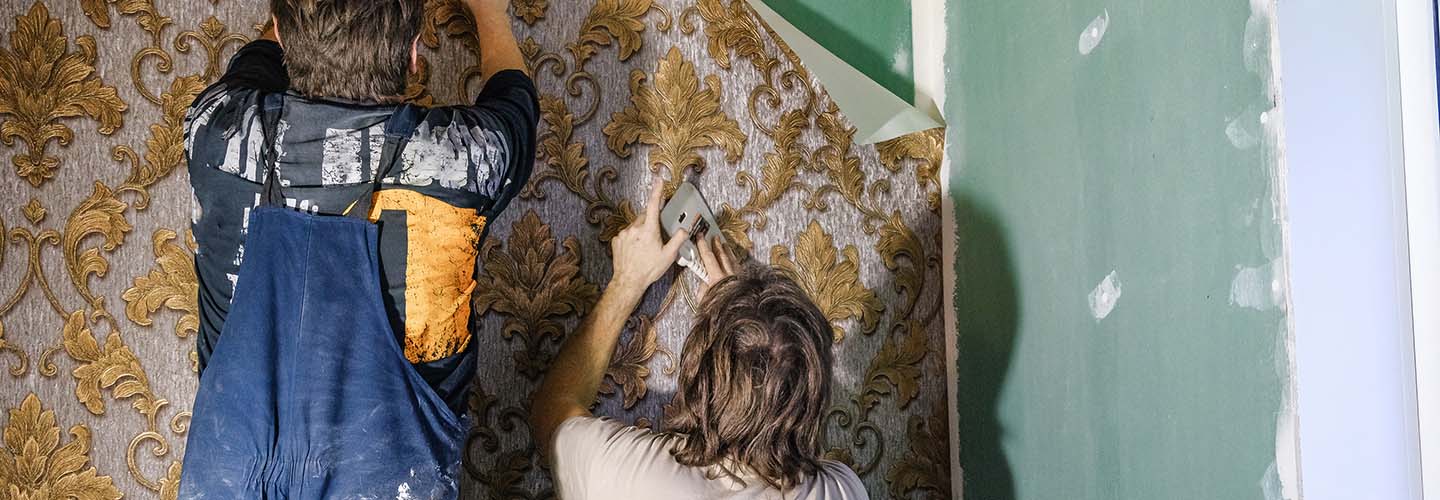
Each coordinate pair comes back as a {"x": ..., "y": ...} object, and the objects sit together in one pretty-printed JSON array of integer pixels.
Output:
[{"x": 98, "y": 293}]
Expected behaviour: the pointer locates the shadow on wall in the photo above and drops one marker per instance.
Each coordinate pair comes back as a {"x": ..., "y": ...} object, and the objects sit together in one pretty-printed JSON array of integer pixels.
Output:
[{"x": 987, "y": 312}]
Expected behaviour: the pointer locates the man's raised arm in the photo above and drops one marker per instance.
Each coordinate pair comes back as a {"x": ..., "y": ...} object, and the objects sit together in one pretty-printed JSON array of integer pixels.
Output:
[{"x": 498, "y": 49}]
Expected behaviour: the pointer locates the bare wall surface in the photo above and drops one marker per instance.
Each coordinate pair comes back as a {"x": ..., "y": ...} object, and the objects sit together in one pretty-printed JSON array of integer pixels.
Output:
[{"x": 1121, "y": 290}]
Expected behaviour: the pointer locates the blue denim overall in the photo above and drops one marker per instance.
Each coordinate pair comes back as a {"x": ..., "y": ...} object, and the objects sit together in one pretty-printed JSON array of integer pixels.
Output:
[{"x": 308, "y": 394}]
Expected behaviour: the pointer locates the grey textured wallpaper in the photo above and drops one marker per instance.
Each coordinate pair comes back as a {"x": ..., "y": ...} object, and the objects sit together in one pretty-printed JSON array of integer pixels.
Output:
[{"x": 97, "y": 288}]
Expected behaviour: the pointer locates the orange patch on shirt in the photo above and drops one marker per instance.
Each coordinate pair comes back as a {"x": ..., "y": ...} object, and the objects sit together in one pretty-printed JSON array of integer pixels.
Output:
[{"x": 442, "y": 243}]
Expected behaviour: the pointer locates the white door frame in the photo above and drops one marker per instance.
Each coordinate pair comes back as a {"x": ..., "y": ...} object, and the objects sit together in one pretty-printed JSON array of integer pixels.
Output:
[{"x": 1420, "y": 130}]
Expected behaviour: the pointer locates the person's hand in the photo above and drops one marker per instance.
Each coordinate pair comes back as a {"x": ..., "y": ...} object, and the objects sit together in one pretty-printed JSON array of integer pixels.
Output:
[
  {"x": 718, "y": 263},
  {"x": 641, "y": 257}
]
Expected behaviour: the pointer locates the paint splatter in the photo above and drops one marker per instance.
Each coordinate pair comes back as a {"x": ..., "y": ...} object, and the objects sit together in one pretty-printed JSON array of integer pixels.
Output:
[
  {"x": 1104, "y": 296},
  {"x": 1090, "y": 38},
  {"x": 1261, "y": 288}
]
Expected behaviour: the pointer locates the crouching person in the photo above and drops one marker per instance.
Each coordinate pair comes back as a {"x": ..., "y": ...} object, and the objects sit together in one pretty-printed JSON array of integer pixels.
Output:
[{"x": 754, "y": 383}]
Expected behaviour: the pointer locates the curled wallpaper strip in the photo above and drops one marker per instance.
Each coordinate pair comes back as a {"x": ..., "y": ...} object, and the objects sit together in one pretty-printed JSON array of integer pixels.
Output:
[{"x": 878, "y": 114}]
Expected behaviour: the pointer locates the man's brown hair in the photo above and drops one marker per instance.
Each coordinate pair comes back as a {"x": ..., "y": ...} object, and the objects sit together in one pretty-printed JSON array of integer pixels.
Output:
[
  {"x": 754, "y": 379},
  {"x": 350, "y": 49}
]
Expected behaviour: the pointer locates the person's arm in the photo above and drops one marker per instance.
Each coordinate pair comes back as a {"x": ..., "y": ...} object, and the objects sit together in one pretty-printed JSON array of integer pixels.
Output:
[
  {"x": 572, "y": 381},
  {"x": 498, "y": 49}
]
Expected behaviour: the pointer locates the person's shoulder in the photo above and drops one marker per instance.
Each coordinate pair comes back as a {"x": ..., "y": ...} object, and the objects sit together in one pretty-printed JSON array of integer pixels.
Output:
[
  {"x": 217, "y": 113},
  {"x": 840, "y": 482},
  {"x": 609, "y": 432}
]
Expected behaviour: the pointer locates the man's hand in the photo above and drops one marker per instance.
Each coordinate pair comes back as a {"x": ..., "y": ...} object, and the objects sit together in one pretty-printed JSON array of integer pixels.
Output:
[
  {"x": 718, "y": 263},
  {"x": 641, "y": 257},
  {"x": 574, "y": 376}
]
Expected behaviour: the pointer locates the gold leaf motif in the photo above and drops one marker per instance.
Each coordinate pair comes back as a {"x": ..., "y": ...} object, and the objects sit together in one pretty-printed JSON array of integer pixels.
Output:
[
  {"x": 34, "y": 211},
  {"x": 927, "y": 466},
  {"x": 417, "y": 90},
  {"x": 532, "y": 285},
  {"x": 896, "y": 365},
  {"x": 901, "y": 253},
  {"x": 170, "y": 484},
  {"x": 835, "y": 157},
  {"x": 41, "y": 83},
  {"x": 452, "y": 18},
  {"x": 565, "y": 161},
  {"x": 779, "y": 168},
  {"x": 629, "y": 366},
  {"x": 617, "y": 19},
  {"x": 100, "y": 214},
  {"x": 833, "y": 284},
  {"x": 735, "y": 228},
  {"x": 172, "y": 285},
  {"x": 676, "y": 116},
  {"x": 212, "y": 37},
  {"x": 112, "y": 367},
  {"x": 559, "y": 152},
  {"x": 729, "y": 26},
  {"x": 150, "y": 21},
  {"x": 449, "y": 16},
  {"x": 35, "y": 466},
  {"x": 530, "y": 11},
  {"x": 165, "y": 149},
  {"x": 927, "y": 147}
]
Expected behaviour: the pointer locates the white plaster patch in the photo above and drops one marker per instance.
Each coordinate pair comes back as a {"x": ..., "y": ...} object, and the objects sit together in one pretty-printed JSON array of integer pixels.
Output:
[
  {"x": 1090, "y": 38},
  {"x": 900, "y": 61},
  {"x": 1244, "y": 130},
  {"x": 1261, "y": 288},
  {"x": 403, "y": 492},
  {"x": 1104, "y": 296}
]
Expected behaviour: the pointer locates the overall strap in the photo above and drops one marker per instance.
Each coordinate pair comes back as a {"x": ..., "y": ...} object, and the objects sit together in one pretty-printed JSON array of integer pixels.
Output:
[
  {"x": 271, "y": 196},
  {"x": 397, "y": 132}
]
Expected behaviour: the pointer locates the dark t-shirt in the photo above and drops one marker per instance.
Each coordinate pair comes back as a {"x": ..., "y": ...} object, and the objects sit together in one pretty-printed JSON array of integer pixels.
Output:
[{"x": 459, "y": 168}]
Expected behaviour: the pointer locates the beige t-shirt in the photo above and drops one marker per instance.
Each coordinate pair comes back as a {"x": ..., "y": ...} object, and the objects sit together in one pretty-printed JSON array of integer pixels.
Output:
[{"x": 599, "y": 458}]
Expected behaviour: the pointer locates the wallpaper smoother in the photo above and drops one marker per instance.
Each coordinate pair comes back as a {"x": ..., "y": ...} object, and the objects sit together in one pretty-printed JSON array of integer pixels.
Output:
[
  {"x": 97, "y": 289},
  {"x": 1122, "y": 293}
]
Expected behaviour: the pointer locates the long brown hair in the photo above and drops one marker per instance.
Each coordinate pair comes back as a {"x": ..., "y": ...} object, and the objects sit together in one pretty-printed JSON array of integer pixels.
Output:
[
  {"x": 754, "y": 379},
  {"x": 358, "y": 50}
]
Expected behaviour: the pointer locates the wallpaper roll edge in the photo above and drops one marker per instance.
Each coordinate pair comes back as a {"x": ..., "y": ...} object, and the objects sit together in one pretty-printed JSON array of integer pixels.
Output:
[{"x": 878, "y": 114}]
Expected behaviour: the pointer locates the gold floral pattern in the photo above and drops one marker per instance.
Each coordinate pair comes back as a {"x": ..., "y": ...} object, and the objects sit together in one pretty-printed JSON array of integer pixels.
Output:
[
  {"x": 833, "y": 283},
  {"x": 926, "y": 148},
  {"x": 532, "y": 285},
  {"x": 676, "y": 116},
  {"x": 926, "y": 467},
  {"x": 35, "y": 466},
  {"x": 41, "y": 83},
  {"x": 529, "y": 11},
  {"x": 172, "y": 285},
  {"x": 99, "y": 313}
]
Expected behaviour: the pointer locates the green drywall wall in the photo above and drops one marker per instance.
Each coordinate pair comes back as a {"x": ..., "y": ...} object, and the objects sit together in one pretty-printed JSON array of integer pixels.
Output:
[
  {"x": 1067, "y": 167},
  {"x": 873, "y": 36}
]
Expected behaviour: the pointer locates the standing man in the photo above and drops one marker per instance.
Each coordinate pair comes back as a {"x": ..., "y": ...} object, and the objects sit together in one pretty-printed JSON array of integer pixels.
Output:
[{"x": 337, "y": 231}]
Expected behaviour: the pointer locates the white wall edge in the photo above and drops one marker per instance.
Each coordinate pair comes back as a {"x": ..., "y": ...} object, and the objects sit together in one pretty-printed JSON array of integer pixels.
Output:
[
  {"x": 1420, "y": 131},
  {"x": 928, "y": 41}
]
